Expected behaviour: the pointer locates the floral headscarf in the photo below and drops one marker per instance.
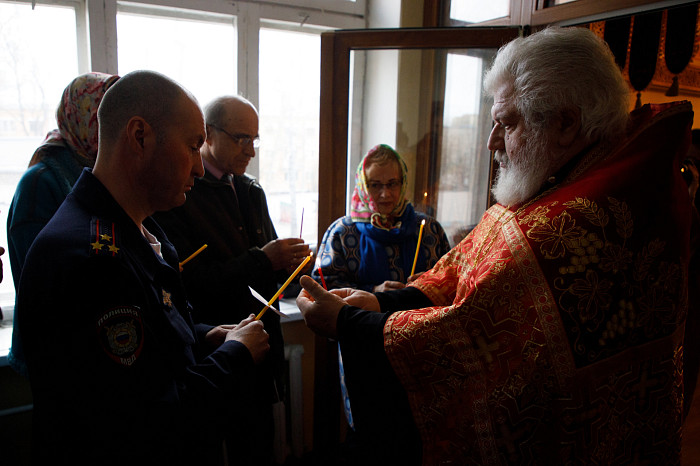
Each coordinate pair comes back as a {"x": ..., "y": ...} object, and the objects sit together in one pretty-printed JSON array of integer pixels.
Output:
[
  {"x": 76, "y": 116},
  {"x": 363, "y": 209}
]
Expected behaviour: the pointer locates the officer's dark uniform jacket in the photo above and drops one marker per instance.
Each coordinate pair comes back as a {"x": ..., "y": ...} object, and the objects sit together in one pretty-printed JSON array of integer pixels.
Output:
[{"x": 118, "y": 372}]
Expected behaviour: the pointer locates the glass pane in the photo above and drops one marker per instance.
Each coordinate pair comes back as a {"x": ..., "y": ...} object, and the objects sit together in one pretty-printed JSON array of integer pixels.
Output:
[
  {"x": 290, "y": 64},
  {"x": 476, "y": 11},
  {"x": 465, "y": 159},
  {"x": 180, "y": 48},
  {"x": 441, "y": 133},
  {"x": 35, "y": 70}
]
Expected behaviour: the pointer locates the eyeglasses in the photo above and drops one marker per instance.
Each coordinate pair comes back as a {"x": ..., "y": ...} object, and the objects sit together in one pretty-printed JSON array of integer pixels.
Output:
[
  {"x": 241, "y": 139},
  {"x": 376, "y": 186}
]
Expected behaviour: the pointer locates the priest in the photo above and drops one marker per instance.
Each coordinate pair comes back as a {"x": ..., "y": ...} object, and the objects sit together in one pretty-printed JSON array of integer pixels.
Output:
[{"x": 553, "y": 333}]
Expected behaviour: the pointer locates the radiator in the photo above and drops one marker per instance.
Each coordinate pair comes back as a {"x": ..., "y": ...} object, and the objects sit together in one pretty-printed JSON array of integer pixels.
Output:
[{"x": 292, "y": 444}]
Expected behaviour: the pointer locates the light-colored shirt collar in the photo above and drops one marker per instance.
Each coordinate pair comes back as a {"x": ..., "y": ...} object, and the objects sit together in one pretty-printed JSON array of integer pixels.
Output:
[
  {"x": 219, "y": 175},
  {"x": 215, "y": 171},
  {"x": 152, "y": 240}
]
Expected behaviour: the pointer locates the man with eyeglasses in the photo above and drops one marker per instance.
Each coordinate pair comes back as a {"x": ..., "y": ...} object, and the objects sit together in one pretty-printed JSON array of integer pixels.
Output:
[{"x": 227, "y": 210}]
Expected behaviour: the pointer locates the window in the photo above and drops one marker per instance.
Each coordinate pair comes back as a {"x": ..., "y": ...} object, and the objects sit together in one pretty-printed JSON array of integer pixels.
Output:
[
  {"x": 267, "y": 51},
  {"x": 465, "y": 161},
  {"x": 289, "y": 95},
  {"x": 475, "y": 11},
  {"x": 197, "y": 50},
  {"x": 36, "y": 68},
  {"x": 450, "y": 182}
]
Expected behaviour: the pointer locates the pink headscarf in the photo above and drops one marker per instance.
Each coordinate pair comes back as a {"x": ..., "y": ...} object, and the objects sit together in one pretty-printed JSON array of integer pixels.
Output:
[
  {"x": 363, "y": 209},
  {"x": 76, "y": 116}
]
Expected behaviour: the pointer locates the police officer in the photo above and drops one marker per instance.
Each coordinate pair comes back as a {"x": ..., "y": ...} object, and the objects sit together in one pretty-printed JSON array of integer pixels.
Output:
[{"x": 119, "y": 372}]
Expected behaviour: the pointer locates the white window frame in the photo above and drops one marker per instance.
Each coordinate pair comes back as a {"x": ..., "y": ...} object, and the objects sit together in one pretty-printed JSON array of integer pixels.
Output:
[
  {"x": 96, "y": 23},
  {"x": 309, "y": 15}
]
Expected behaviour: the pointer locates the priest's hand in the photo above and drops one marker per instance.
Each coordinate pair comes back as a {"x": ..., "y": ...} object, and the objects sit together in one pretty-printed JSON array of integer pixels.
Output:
[
  {"x": 319, "y": 307},
  {"x": 358, "y": 298},
  {"x": 388, "y": 285}
]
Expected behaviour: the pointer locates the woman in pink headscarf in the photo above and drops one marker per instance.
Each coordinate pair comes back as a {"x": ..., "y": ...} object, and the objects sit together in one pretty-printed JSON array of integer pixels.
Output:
[
  {"x": 373, "y": 248},
  {"x": 53, "y": 169}
]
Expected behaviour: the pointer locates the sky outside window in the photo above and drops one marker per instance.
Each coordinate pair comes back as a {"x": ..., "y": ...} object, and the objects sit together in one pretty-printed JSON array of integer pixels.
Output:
[
  {"x": 290, "y": 64},
  {"x": 200, "y": 55}
]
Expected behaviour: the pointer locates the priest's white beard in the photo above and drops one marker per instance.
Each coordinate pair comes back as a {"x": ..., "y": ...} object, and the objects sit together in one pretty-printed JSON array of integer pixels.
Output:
[{"x": 519, "y": 180}]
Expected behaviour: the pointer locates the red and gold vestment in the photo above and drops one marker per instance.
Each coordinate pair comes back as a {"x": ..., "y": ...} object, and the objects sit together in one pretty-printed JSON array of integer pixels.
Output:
[{"x": 557, "y": 327}]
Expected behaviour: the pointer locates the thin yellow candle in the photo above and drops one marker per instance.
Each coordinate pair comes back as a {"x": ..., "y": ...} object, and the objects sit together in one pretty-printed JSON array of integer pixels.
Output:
[
  {"x": 193, "y": 255},
  {"x": 415, "y": 258},
  {"x": 289, "y": 280}
]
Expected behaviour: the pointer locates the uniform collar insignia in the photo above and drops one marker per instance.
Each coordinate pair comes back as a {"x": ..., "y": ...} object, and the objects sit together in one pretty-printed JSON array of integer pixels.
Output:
[
  {"x": 104, "y": 237},
  {"x": 167, "y": 300}
]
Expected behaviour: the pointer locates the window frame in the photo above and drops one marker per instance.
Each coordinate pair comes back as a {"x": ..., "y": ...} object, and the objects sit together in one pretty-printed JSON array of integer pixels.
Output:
[
  {"x": 310, "y": 15},
  {"x": 96, "y": 33}
]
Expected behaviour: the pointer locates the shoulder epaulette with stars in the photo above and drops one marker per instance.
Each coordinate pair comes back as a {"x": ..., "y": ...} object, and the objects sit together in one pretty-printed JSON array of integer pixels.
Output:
[{"x": 103, "y": 236}]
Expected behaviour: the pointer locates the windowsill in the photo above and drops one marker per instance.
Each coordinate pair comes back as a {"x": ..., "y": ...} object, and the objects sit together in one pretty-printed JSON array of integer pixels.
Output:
[{"x": 287, "y": 306}]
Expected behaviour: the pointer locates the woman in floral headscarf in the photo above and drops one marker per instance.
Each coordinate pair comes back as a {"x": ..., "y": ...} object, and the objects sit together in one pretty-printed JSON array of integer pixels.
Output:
[
  {"x": 373, "y": 247},
  {"x": 53, "y": 169}
]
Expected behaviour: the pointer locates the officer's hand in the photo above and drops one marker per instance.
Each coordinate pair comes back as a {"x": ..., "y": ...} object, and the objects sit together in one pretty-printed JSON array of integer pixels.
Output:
[
  {"x": 388, "y": 285},
  {"x": 358, "y": 298},
  {"x": 319, "y": 307},
  {"x": 286, "y": 253},
  {"x": 216, "y": 336},
  {"x": 252, "y": 334}
]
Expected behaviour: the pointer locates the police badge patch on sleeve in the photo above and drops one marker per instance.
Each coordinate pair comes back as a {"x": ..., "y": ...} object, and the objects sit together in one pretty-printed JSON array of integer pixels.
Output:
[{"x": 120, "y": 332}]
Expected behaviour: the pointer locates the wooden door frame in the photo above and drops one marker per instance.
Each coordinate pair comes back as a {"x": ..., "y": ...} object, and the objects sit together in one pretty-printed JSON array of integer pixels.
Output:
[{"x": 336, "y": 48}]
